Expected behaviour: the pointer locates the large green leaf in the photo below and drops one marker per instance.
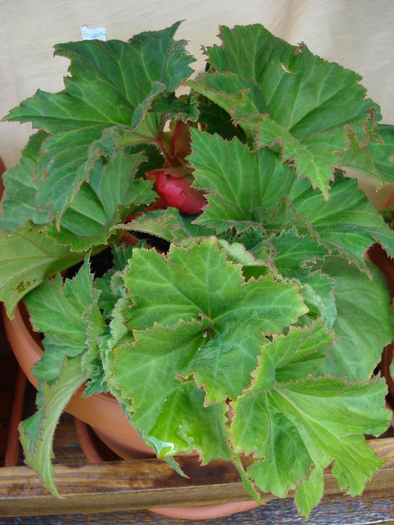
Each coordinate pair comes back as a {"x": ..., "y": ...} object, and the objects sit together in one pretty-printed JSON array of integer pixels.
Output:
[
  {"x": 247, "y": 188},
  {"x": 27, "y": 256},
  {"x": 300, "y": 426},
  {"x": 363, "y": 325},
  {"x": 170, "y": 414},
  {"x": 198, "y": 281},
  {"x": 192, "y": 314},
  {"x": 347, "y": 223},
  {"x": 311, "y": 106},
  {"x": 108, "y": 81}
]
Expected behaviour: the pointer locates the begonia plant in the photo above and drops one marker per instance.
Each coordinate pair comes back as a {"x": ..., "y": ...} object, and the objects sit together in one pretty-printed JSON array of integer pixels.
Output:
[{"x": 258, "y": 329}]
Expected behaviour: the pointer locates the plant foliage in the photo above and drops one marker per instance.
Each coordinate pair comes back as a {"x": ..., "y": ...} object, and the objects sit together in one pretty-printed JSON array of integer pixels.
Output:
[{"x": 258, "y": 331}]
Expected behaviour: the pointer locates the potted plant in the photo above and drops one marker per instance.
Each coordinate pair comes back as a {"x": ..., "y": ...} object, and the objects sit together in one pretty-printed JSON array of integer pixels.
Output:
[{"x": 257, "y": 328}]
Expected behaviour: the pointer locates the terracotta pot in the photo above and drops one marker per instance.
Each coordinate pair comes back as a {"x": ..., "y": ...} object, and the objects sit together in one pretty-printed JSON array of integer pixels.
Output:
[
  {"x": 97, "y": 452},
  {"x": 102, "y": 412}
]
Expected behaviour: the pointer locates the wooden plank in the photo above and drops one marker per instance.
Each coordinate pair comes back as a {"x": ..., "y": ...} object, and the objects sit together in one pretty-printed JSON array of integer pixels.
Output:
[{"x": 141, "y": 484}]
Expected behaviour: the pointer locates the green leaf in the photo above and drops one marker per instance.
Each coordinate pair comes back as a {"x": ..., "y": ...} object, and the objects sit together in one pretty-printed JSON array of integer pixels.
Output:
[
  {"x": 18, "y": 203},
  {"x": 315, "y": 158},
  {"x": 91, "y": 362},
  {"x": 109, "y": 295},
  {"x": 198, "y": 281},
  {"x": 347, "y": 223},
  {"x": 170, "y": 225},
  {"x": 324, "y": 102},
  {"x": 114, "y": 191},
  {"x": 293, "y": 426},
  {"x": 27, "y": 256},
  {"x": 294, "y": 257},
  {"x": 108, "y": 81},
  {"x": 37, "y": 432},
  {"x": 170, "y": 413},
  {"x": 253, "y": 189},
  {"x": 59, "y": 310},
  {"x": 383, "y": 153},
  {"x": 243, "y": 99},
  {"x": 186, "y": 420},
  {"x": 296, "y": 355},
  {"x": 166, "y": 104},
  {"x": 363, "y": 325},
  {"x": 191, "y": 314},
  {"x": 223, "y": 365},
  {"x": 166, "y": 224},
  {"x": 238, "y": 182}
]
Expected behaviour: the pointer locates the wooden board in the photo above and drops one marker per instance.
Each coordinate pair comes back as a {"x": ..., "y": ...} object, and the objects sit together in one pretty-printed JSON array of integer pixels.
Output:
[{"x": 141, "y": 484}]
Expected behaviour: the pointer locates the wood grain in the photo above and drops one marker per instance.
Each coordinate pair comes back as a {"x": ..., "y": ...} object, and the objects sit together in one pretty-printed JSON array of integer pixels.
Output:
[{"x": 141, "y": 484}]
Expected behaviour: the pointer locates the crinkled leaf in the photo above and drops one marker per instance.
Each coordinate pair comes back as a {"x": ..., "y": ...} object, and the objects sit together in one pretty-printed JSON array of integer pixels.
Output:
[
  {"x": 242, "y": 98},
  {"x": 311, "y": 104},
  {"x": 347, "y": 223},
  {"x": 27, "y": 256},
  {"x": 167, "y": 224},
  {"x": 112, "y": 193},
  {"x": 91, "y": 358},
  {"x": 294, "y": 256},
  {"x": 58, "y": 309},
  {"x": 374, "y": 158},
  {"x": 237, "y": 253},
  {"x": 363, "y": 325},
  {"x": 166, "y": 104},
  {"x": 36, "y": 433},
  {"x": 18, "y": 204},
  {"x": 294, "y": 251},
  {"x": 315, "y": 157},
  {"x": 108, "y": 81},
  {"x": 170, "y": 413},
  {"x": 238, "y": 182},
  {"x": 293, "y": 426},
  {"x": 296, "y": 355},
  {"x": 198, "y": 281},
  {"x": 253, "y": 188}
]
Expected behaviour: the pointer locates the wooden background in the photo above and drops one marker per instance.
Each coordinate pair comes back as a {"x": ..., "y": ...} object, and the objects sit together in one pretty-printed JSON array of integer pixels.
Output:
[{"x": 359, "y": 34}]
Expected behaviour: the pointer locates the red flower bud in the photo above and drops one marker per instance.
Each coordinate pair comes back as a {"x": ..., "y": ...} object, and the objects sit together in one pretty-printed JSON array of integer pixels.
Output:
[{"x": 178, "y": 193}]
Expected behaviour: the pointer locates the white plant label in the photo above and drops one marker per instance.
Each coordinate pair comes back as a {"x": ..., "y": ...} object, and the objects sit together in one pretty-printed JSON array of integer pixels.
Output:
[{"x": 95, "y": 33}]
